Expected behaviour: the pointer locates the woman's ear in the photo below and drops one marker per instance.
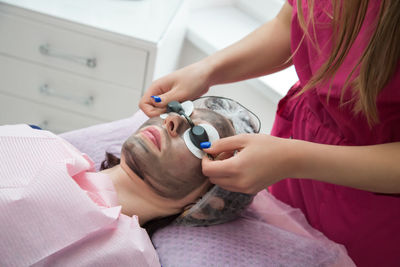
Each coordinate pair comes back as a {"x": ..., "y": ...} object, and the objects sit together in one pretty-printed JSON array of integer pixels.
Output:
[{"x": 216, "y": 203}]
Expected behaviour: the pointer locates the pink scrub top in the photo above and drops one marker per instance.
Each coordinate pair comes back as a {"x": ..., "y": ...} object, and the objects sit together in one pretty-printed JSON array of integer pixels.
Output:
[{"x": 366, "y": 223}]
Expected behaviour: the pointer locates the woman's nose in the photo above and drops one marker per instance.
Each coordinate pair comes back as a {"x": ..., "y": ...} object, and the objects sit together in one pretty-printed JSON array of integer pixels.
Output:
[{"x": 174, "y": 124}]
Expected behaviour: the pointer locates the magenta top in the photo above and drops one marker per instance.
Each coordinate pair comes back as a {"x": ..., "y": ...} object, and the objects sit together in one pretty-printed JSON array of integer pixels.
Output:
[{"x": 366, "y": 223}]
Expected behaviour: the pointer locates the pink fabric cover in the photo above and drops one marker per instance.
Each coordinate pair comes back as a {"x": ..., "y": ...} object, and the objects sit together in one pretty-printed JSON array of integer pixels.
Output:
[
  {"x": 365, "y": 222},
  {"x": 56, "y": 212},
  {"x": 269, "y": 231}
]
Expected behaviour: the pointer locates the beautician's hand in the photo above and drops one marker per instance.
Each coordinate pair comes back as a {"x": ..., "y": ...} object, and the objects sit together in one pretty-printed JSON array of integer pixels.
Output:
[
  {"x": 184, "y": 84},
  {"x": 261, "y": 160}
]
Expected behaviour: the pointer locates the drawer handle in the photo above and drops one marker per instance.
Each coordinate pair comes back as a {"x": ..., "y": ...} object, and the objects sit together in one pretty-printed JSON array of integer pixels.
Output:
[
  {"x": 45, "y": 49},
  {"x": 86, "y": 101}
]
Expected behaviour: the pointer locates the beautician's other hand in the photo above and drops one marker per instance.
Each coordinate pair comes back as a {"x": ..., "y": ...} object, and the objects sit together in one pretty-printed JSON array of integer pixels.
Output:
[
  {"x": 187, "y": 83},
  {"x": 261, "y": 160}
]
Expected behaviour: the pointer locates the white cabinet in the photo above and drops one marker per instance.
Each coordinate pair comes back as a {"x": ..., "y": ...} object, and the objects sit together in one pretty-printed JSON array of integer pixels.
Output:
[{"x": 69, "y": 64}]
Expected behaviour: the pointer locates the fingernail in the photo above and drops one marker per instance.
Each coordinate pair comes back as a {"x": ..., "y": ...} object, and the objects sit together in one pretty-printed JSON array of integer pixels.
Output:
[
  {"x": 205, "y": 144},
  {"x": 156, "y": 98}
]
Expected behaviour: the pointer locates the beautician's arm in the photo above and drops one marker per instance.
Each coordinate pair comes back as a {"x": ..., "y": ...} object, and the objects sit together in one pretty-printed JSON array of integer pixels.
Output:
[
  {"x": 264, "y": 51},
  {"x": 373, "y": 168},
  {"x": 263, "y": 160}
]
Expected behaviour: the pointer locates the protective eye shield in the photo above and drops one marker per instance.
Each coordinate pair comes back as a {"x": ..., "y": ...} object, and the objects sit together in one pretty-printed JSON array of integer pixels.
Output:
[
  {"x": 197, "y": 133},
  {"x": 197, "y": 136}
]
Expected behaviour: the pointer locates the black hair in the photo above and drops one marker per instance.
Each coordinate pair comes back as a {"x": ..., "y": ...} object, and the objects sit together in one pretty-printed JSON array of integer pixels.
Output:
[
  {"x": 110, "y": 161},
  {"x": 152, "y": 226}
]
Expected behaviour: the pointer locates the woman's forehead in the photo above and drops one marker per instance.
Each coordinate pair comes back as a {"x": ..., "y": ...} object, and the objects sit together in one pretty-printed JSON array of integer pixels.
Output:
[
  {"x": 202, "y": 114},
  {"x": 214, "y": 118},
  {"x": 206, "y": 115}
]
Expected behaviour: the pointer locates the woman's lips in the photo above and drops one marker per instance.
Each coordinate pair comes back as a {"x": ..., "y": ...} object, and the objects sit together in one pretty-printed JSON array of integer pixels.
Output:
[{"x": 153, "y": 135}]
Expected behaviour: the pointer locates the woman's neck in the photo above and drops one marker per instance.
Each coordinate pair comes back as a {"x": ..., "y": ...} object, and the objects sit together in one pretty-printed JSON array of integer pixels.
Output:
[{"x": 133, "y": 198}]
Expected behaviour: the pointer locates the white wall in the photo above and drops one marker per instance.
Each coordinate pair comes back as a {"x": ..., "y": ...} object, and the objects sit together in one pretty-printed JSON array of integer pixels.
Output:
[
  {"x": 262, "y": 10},
  {"x": 196, "y": 4},
  {"x": 242, "y": 92}
]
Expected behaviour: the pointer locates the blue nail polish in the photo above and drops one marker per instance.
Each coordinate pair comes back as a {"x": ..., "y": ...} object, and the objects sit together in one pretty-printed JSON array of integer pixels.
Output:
[
  {"x": 205, "y": 144},
  {"x": 156, "y": 98}
]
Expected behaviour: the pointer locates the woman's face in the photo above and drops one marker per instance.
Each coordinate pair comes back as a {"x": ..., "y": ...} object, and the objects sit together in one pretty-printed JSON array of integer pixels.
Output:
[{"x": 158, "y": 154}]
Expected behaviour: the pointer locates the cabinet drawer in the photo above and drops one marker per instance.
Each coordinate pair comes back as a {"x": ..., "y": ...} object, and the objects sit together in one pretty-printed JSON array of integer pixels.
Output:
[
  {"x": 15, "y": 111},
  {"x": 72, "y": 51},
  {"x": 68, "y": 91}
]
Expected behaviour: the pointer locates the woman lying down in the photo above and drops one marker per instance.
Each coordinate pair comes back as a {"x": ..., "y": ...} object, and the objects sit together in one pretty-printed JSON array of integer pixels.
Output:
[{"x": 56, "y": 210}]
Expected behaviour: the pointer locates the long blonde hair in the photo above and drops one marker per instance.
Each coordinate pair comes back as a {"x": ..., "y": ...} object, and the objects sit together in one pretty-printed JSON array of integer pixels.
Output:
[{"x": 379, "y": 59}]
